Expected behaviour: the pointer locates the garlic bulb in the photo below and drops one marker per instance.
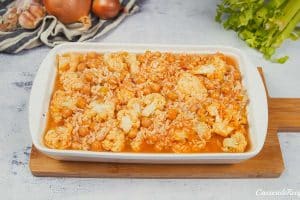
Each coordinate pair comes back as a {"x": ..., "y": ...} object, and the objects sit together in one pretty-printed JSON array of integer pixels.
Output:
[
  {"x": 23, "y": 5},
  {"x": 9, "y": 21},
  {"x": 26, "y": 13},
  {"x": 30, "y": 18}
]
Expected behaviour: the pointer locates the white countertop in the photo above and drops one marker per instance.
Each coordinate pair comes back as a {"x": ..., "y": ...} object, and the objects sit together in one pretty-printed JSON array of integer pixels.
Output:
[{"x": 168, "y": 22}]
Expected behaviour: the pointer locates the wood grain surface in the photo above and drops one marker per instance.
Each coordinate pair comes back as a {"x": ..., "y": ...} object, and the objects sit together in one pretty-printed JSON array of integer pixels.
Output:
[{"x": 284, "y": 115}]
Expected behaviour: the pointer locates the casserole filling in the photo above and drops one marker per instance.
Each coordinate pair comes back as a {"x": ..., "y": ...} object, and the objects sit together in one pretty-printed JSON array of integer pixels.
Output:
[{"x": 148, "y": 102}]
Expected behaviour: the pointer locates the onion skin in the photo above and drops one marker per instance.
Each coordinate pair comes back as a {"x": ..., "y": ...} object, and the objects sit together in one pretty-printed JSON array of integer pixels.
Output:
[
  {"x": 106, "y": 9},
  {"x": 68, "y": 11}
]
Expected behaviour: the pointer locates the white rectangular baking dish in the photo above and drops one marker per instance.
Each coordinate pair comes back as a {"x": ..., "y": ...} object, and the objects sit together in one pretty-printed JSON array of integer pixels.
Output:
[{"x": 44, "y": 81}]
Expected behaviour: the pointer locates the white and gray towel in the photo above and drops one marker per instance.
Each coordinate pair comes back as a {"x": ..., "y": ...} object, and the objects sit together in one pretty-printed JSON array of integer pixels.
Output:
[{"x": 52, "y": 32}]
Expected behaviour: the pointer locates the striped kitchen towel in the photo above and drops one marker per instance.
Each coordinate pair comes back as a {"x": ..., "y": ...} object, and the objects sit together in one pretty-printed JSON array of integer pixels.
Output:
[{"x": 52, "y": 32}]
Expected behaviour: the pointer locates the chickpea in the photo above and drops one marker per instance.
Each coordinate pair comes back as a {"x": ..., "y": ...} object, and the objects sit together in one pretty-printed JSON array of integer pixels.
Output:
[
  {"x": 226, "y": 89},
  {"x": 100, "y": 98},
  {"x": 215, "y": 94},
  {"x": 76, "y": 146},
  {"x": 201, "y": 112},
  {"x": 237, "y": 76},
  {"x": 172, "y": 114},
  {"x": 155, "y": 87},
  {"x": 112, "y": 81},
  {"x": 92, "y": 63},
  {"x": 209, "y": 120},
  {"x": 81, "y": 103},
  {"x": 172, "y": 96},
  {"x": 139, "y": 79},
  {"x": 93, "y": 126},
  {"x": 194, "y": 108},
  {"x": 147, "y": 90},
  {"x": 86, "y": 89},
  {"x": 157, "y": 54},
  {"x": 81, "y": 67},
  {"x": 103, "y": 91},
  {"x": 154, "y": 78},
  {"x": 83, "y": 131},
  {"x": 92, "y": 55},
  {"x": 133, "y": 132},
  {"x": 96, "y": 146},
  {"x": 211, "y": 76},
  {"x": 88, "y": 76},
  {"x": 146, "y": 122},
  {"x": 209, "y": 85},
  {"x": 67, "y": 112},
  {"x": 152, "y": 139},
  {"x": 122, "y": 75},
  {"x": 240, "y": 97},
  {"x": 170, "y": 58}
]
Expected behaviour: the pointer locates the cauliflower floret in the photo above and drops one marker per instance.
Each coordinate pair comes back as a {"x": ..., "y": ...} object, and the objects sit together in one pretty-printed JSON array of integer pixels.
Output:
[
  {"x": 59, "y": 138},
  {"x": 124, "y": 95},
  {"x": 204, "y": 69},
  {"x": 133, "y": 63},
  {"x": 114, "y": 141},
  {"x": 135, "y": 105},
  {"x": 149, "y": 109},
  {"x": 190, "y": 85},
  {"x": 64, "y": 100},
  {"x": 156, "y": 98},
  {"x": 101, "y": 91},
  {"x": 126, "y": 123},
  {"x": 137, "y": 142},
  {"x": 180, "y": 147},
  {"x": 220, "y": 65},
  {"x": 218, "y": 62},
  {"x": 115, "y": 62},
  {"x": 128, "y": 119},
  {"x": 217, "y": 68},
  {"x": 87, "y": 117},
  {"x": 203, "y": 130},
  {"x": 61, "y": 105},
  {"x": 68, "y": 62},
  {"x": 153, "y": 101},
  {"x": 71, "y": 81},
  {"x": 213, "y": 109},
  {"x": 222, "y": 128},
  {"x": 158, "y": 67},
  {"x": 236, "y": 143},
  {"x": 63, "y": 63},
  {"x": 181, "y": 134},
  {"x": 106, "y": 127},
  {"x": 104, "y": 110}
]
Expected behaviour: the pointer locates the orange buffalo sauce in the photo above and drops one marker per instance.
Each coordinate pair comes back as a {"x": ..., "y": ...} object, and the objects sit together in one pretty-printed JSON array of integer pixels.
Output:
[{"x": 149, "y": 102}]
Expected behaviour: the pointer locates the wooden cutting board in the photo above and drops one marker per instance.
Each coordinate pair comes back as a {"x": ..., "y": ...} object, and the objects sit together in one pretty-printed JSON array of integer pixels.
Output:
[{"x": 284, "y": 115}]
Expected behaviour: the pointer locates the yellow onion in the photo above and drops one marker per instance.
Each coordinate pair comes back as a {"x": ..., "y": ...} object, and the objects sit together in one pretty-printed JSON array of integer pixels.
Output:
[
  {"x": 106, "y": 9},
  {"x": 69, "y": 11}
]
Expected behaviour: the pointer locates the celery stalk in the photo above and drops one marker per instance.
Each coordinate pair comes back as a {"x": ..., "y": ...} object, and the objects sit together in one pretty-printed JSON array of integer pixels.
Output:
[
  {"x": 287, "y": 31},
  {"x": 287, "y": 14},
  {"x": 263, "y": 24}
]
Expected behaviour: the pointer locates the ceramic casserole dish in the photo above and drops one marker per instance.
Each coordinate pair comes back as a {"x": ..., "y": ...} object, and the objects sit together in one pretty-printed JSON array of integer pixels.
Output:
[{"x": 257, "y": 110}]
